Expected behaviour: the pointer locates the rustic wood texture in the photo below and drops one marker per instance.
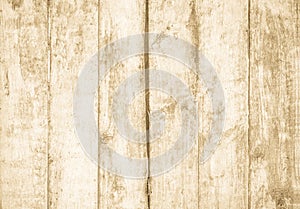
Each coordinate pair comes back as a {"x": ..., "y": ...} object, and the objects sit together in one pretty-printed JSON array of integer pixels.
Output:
[
  {"x": 274, "y": 102},
  {"x": 116, "y": 191},
  {"x": 255, "y": 49},
  {"x": 177, "y": 188},
  {"x": 219, "y": 29},
  {"x": 223, "y": 179},
  {"x": 24, "y": 129},
  {"x": 72, "y": 176}
]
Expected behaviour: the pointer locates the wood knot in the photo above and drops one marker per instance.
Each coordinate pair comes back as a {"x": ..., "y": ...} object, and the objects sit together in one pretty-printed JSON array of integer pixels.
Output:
[
  {"x": 259, "y": 152},
  {"x": 281, "y": 203}
]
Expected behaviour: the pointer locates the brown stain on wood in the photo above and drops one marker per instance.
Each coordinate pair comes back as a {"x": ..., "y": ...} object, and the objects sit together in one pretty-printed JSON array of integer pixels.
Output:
[{"x": 15, "y": 4}]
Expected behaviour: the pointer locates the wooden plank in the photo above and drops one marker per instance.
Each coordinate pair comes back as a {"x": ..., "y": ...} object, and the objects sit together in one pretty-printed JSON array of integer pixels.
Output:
[
  {"x": 177, "y": 188},
  {"x": 219, "y": 29},
  {"x": 120, "y": 19},
  {"x": 273, "y": 103},
  {"x": 23, "y": 104},
  {"x": 72, "y": 175},
  {"x": 224, "y": 178},
  {"x": 38, "y": 81}
]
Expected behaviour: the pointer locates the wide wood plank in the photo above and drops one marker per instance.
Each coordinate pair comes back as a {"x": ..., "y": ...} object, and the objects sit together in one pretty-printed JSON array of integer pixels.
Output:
[
  {"x": 274, "y": 104},
  {"x": 23, "y": 104}
]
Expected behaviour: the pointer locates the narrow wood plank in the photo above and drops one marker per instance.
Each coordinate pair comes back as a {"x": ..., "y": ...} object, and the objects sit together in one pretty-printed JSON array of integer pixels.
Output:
[
  {"x": 120, "y": 19},
  {"x": 219, "y": 29},
  {"x": 23, "y": 104},
  {"x": 273, "y": 103},
  {"x": 72, "y": 175}
]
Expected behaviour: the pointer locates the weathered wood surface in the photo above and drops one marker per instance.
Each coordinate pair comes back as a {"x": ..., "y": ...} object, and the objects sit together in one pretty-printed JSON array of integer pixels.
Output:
[
  {"x": 255, "y": 49},
  {"x": 24, "y": 96},
  {"x": 73, "y": 28},
  {"x": 116, "y": 191},
  {"x": 219, "y": 29},
  {"x": 274, "y": 104}
]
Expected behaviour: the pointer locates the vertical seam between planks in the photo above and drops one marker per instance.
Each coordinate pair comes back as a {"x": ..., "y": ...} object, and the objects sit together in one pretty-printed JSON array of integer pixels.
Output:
[
  {"x": 147, "y": 101},
  {"x": 249, "y": 89},
  {"x": 98, "y": 118},
  {"x": 49, "y": 56}
]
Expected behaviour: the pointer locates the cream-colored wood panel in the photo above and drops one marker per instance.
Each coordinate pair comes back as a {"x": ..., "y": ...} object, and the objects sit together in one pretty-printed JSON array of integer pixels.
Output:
[
  {"x": 23, "y": 104},
  {"x": 74, "y": 39},
  {"x": 219, "y": 29},
  {"x": 117, "y": 20}
]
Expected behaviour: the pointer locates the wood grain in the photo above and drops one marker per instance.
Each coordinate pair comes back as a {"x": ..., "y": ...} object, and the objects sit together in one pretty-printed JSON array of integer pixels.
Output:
[
  {"x": 119, "y": 19},
  {"x": 72, "y": 176},
  {"x": 255, "y": 49},
  {"x": 219, "y": 29},
  {"x": 224, "y": 178},
  {"x": 274, "y": 100},
  {"x": 23, "y": 106},
  {"x": 177, "y": 188}
]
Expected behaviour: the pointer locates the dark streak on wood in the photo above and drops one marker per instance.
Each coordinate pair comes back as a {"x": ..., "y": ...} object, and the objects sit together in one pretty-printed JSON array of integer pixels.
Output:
[
  {"x": 194, "y": 27},
  {"x": 147, "y": 101}
]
